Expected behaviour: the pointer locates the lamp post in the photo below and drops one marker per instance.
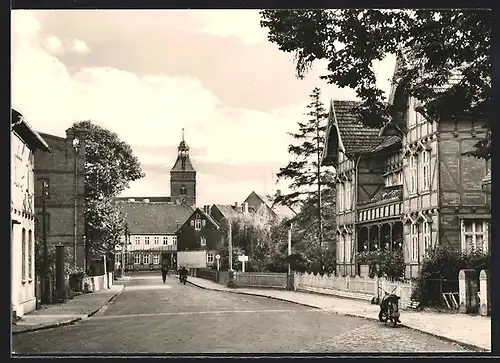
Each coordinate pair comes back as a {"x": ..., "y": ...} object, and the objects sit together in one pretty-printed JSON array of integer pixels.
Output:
[
  {"x": 76, "y": 145},
  {"x": 46, "y": 282},
  {"x": 127, "y": 237}
]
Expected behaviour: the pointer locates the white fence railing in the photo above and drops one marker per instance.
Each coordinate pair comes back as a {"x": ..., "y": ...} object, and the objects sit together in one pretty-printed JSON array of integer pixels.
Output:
[{"x": 356, "y": 284}]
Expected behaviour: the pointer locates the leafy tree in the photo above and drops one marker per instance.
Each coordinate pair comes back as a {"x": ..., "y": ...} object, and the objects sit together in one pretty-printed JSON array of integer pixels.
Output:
[
  {"x": 110, "y": 165},
  {"x": 434, "y": 44},
  {"x": 305, "y": 171}
]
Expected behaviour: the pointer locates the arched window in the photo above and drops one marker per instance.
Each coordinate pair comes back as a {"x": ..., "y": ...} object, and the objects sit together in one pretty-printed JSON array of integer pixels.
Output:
[
  {"x": 183, "y": 190},
  {"x": 23, "y": 261}
]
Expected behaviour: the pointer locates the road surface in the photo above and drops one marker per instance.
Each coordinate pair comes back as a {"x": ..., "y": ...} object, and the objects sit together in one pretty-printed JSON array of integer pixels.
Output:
[{"x": 152, "y": 317}]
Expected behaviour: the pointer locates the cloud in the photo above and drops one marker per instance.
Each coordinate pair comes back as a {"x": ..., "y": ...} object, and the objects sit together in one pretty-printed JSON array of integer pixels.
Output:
[
  {"x": 243, "y": 24},
  {"x": 79, "y": 46},
  {"x": 53, "y": 44}
]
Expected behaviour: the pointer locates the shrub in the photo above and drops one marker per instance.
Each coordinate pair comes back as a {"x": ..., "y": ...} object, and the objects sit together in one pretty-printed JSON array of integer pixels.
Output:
[
  {"x": 383, "y": 263},
  {"x": 440, "y": 269}
]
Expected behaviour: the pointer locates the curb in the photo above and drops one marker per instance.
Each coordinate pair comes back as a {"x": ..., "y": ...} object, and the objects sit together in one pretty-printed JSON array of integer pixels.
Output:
[
  {"x": 68, "y": 322},
  {"x": 254, "y": 294},
  {"x": 462, "y": 344},
  {"x": 473, "y": 347}
]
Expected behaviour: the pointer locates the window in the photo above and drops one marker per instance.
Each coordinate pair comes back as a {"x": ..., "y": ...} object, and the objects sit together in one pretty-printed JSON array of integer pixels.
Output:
[
  {"x": 183, "y": 190},
  {"x": 197, "y": 224},
  {"x": 203, "y": 223},
  {"x": 23, "y": 261},
  {"x": 137, "y": 240},
  {"x": 341, "y": 199},
  {"x": 165, "y": 240},
  {"x": 30, "y": 255},
  {"x": 137, "y": 259},
  {"x": 411, "y": 113},
  {"x": 174, "y": 240},
  {"x": 427, "y": 236},
  {"x": 388, "y": 180},
  {"x": 425, "y": 170},
  {"x": 157, "y": 240},
  {"x": 474, "y": 235},
  {"x": 146, "y": 259},
  {"x": 203, "y": 241},
  {"x": 210, "y": 257},
  {"x": 414, "y": 242},
  {"x": 348, "y": 196},
  {"x": 156, "y": 259},
  {"x": 342, "y": 248},
  {"x": 126, "y": 258},
  {"x": 146, "y": 240},
  {"x": 400, "y": 178},
  {"x": 348, "y": 242},
  {"x": 413, "y": 174}
]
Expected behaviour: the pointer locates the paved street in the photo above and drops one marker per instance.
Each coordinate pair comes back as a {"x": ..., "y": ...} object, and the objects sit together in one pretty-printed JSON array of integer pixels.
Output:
[{"x": 152, "y": 317}]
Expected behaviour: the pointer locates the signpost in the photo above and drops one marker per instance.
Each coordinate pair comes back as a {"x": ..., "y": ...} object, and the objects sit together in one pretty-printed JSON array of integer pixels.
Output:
[
  {"x": 218, "y": 262},
  {"x": 243, "y": 259}
]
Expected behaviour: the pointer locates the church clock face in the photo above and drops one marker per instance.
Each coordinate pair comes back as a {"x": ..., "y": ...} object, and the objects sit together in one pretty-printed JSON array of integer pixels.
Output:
[{"x": 182, "y": 200}]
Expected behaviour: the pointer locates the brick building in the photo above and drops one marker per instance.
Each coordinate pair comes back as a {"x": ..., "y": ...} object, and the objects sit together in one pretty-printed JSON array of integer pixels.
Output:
[
  {"x": 407, "y": 186},
  {"x": 63, "y": 172},
  {"x": 24, "y": 143},
  {"x": 200, "y": 232},
  {"x": 151, "y": 239}
]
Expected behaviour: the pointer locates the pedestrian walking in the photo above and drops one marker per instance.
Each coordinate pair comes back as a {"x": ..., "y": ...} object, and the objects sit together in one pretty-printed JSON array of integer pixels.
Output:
[{"x": 164, "y": 272}]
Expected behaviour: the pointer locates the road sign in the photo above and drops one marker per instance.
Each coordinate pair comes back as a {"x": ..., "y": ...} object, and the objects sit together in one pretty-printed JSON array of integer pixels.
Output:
[
  {"x": 217, "y": 257},
  {"x": 242, "y": 258}
]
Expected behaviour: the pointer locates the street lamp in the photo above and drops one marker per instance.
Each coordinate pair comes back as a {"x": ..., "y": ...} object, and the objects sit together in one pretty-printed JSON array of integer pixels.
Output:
[
  {"x": 127, "y": 237},
  {"x": 46, "y": 282},
  {"x": 76, "y": 145}
]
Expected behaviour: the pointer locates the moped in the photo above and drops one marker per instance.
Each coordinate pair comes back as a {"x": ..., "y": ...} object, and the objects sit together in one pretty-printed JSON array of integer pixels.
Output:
[{"x": 389, "y": 308}]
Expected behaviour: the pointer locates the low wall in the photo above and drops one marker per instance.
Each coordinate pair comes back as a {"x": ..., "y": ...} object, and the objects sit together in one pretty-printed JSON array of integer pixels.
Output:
[
  {"x": 358, "y": 285},
  {"x": 96, "y": 283},
  {"x": 260, "y": 279}
]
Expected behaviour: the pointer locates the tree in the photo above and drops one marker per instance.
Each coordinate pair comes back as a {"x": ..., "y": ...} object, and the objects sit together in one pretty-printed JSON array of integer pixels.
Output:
[
  {"x": 305, "y": 171},
  {"x": 110, "y": 165},
  {"x": 433, "y": 44}
]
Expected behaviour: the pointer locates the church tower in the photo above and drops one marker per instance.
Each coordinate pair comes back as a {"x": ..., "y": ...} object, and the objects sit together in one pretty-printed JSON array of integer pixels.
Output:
[{"x": 183, "y": 177}]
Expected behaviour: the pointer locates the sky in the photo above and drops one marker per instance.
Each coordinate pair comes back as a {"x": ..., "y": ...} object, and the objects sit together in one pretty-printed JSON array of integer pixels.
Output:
[{"x": 146, "y": 75}]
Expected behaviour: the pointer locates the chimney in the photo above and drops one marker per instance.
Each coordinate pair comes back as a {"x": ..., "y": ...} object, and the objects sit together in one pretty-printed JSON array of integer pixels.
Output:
[
  {"x": 245, "y": 207},
  {"x": 145, "y": 200},
  {"x": 236, "y": 206},
  {"x": 278, "y": 193}
]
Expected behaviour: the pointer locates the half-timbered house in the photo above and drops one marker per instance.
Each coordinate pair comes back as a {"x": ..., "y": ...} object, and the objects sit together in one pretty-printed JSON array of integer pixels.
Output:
[{"x": 407, "y": 185}]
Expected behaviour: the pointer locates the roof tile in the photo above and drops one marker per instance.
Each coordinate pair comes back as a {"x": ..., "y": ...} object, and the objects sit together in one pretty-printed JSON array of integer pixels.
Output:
[{"x": 154, "y": 218}]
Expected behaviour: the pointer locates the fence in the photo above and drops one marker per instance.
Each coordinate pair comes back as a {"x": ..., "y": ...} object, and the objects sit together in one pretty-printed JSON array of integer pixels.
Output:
[
  {"x": 358, "y": 285},
  {"x": 260, "y": 279},
  {"x": 206, "y": 273}
]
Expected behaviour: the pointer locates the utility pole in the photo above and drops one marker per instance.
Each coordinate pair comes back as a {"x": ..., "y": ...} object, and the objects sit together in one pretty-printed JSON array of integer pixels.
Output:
[
  {"x": 320, "y": 208},
  {"x": 46, "y": 280},
  {"x": 230, "y": 246}
]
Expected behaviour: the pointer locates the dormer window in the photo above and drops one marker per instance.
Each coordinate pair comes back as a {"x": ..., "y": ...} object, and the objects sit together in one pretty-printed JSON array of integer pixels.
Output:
[{"x": 197, "y": 224}]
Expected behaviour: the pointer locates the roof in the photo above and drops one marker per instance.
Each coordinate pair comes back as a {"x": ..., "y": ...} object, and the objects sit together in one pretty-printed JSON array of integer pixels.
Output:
[
  {"x": 201, "y": 211},
  {"x": 227, "y": 211},
  {"x": 27, "y": 133},
  {"x": 154, "y": 218},
  {"x": 385, "y": 193},
  {"x": 487, "y": 178},
  {"x": 346, "y": 133},
  {"x": 180, "y": 166},
  {"x": 278, "y": 209}
]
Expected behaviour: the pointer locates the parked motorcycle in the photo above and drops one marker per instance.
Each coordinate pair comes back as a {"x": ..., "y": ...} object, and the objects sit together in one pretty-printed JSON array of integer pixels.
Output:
[{"x": 389, "y": 308}]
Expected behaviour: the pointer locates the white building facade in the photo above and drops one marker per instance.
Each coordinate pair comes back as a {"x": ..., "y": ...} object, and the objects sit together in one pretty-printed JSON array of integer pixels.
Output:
[{"x": 24, "y": 141}]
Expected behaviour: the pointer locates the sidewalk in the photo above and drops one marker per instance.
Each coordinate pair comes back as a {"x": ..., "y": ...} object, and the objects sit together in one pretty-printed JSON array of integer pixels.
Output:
[
  {"x": 473, "y": 332},
  {"x": 51, "y": 316}
]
